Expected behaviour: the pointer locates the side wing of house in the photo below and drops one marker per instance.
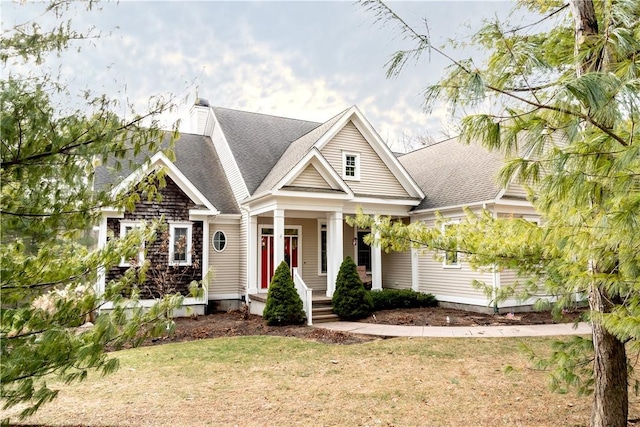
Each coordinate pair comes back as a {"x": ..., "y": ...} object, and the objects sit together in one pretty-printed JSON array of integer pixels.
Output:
[{"x": 178, "y": 255}]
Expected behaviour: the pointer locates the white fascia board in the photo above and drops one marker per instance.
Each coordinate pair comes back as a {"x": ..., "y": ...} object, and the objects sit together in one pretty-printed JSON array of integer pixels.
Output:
[
  {"x": 112, "y": 212},
  {"x": 482, "y": 204},
  {"x": 377, "y": 144},
  {"x": 404, "y": 202},
  {"x": 201, "y": 214},
  {"x": 311, "y": 195},
  {"x": 315, "y": 158},
  {"x": 382, "y": 209},
  {"x": 225, "y": 219},
  {"x": 514, "y": 202},
  {"x": 158, "y": 161}
]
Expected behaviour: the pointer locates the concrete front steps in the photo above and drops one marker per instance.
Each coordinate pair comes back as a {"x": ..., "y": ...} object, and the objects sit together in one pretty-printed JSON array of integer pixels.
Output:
[{"x": 321, "y": 309}]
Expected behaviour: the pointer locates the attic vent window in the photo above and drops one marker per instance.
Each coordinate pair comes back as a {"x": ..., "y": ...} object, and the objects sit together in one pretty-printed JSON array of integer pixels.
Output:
[{"x": 351, "y": 166}]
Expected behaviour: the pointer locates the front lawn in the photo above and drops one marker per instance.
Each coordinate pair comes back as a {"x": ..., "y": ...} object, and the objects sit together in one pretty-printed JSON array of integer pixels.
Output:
[{"x": 279, "y": 381}]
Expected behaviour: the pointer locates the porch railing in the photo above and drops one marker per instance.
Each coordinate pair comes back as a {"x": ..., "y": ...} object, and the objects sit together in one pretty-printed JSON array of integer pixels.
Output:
[{"x": 305, "y": 295}]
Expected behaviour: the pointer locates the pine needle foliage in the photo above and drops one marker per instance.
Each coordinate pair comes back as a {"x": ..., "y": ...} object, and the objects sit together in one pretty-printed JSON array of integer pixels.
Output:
[
  {"x": 47, "y": 207},
  {"x": 284, "y": 306},
  {"x": 564, "y": 93},
  {"x": 351, "y": 301}
]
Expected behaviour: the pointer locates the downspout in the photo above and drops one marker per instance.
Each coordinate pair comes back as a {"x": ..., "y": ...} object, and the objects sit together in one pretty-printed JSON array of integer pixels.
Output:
[{"x": 496, "y": 284}]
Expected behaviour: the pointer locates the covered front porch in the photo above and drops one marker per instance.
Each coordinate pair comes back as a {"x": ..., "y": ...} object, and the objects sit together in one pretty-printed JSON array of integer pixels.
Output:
[{"x": 314, "y": 242}]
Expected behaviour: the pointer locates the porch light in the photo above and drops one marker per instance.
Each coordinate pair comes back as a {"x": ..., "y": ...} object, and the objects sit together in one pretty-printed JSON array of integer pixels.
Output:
[{"x": 355, "y": 241}]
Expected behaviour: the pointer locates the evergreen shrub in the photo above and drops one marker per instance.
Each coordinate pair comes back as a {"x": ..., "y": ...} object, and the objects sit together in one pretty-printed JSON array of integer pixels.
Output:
[
  {"x": 388, "y": 299},
  {"x": 350, "y": 300},
  {"x": 284, "y": 306}
]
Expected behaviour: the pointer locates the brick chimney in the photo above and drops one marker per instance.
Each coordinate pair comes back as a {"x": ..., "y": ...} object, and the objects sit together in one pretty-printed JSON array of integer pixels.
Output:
[{"x": 202, "y": 121}]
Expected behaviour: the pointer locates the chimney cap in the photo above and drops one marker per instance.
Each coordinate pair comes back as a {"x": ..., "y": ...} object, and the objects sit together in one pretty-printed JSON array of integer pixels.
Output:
[{"x": 202, "y": 102}]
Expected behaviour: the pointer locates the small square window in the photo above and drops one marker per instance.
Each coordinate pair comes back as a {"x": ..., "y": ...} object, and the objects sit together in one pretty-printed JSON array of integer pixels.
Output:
[{"x": 351, "y": 166}]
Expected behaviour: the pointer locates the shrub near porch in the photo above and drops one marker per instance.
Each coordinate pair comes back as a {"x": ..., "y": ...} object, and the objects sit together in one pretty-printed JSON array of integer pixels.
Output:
[{"x": 351, "y": 301}]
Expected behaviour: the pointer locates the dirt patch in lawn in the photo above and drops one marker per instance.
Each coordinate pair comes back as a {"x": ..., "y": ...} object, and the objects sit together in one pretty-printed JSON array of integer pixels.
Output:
[{"x": 236, "y": 323}]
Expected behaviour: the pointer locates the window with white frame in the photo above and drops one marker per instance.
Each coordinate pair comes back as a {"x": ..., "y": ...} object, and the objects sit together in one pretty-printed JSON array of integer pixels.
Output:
[
  {"x": 322, "y": 250},
  {"x": 451, "y": 255},
  {"x": 350, "y": 166},
  {"x": 125, "y": 228},
  {"x": 219, "y": 241},
  {"x": 180, "y": 243}
]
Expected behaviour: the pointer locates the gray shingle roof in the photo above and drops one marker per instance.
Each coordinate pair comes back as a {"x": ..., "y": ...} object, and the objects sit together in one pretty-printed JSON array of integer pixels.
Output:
[
  {"x": 197, "y": 160},
  {"x": 295, "y": 152},
  {"x": 451, "y": 173},
  {"x": 257, "y": 141}
]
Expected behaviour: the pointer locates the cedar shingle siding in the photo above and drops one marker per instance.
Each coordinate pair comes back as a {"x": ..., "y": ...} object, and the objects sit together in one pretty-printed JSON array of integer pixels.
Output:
[{"x": 174, "y": 206}]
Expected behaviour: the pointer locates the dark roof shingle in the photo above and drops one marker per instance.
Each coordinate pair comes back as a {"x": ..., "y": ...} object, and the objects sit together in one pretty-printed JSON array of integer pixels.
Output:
[
  {"x": 196, "y": 159},
  {"x": 452, "y": 174},
  {"x": 257, "y": 141}
]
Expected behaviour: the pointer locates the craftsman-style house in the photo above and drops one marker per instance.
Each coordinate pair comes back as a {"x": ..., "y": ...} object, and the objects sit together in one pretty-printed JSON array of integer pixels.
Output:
[{"x": 247, "y": 191}]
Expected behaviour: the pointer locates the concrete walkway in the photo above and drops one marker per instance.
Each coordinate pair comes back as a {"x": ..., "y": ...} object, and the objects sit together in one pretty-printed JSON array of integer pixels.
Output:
[{"x": 583, "y": 328}]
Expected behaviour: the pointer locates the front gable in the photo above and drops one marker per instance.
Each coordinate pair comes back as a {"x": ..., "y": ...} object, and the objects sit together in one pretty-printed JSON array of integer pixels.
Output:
[
  {"x": 313, "y": 174},
  {"x": 201, "y": 206},
  {"x": 353, "y": 142}
]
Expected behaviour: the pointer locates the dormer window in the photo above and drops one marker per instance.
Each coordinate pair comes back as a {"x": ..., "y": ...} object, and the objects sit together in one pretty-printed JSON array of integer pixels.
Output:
[{"x": 350, "y": 166}]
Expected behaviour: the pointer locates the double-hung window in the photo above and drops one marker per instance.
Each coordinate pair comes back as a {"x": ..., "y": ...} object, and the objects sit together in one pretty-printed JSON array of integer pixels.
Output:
[
  {"x": 180, "y": 243},
  {"x": 451, "y": 255},
  {"x": 125, "y": 228},
  {"x": 350, "y": 166}
]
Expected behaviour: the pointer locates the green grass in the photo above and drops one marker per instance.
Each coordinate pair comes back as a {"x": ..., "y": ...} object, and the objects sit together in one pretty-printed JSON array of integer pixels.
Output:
[{"x": 274, "y": 381}]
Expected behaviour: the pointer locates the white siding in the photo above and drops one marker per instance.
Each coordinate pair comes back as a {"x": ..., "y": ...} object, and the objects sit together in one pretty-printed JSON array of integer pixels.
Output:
[
  {"x": 375, "y": 176},
  {"x": 515, "y": 190},
  {"x": 396, "y": 270},
  {"x": 311, "y": 178},
  {"x": 226, "y": 264},
  {"x": 229, "y": 165}
]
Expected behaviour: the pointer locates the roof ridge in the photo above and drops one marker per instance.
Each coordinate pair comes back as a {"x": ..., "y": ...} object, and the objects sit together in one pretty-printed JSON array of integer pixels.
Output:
[
  {"x": 266, "y": 115},
  {"x": 431, "y": 145}
]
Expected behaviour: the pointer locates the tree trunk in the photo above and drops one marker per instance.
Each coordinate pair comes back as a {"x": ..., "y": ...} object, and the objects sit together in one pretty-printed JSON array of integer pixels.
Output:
[
  {"x": 586, "y": 25},
  {"x": 610, "y": 395}
]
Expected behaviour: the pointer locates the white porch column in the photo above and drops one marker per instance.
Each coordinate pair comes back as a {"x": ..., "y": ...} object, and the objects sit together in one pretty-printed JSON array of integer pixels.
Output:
[
  {"x": 334, "y": 250},
  {"x": 278, "y": 237},
  {"x": 252, "y": 255},
  {"x": 376, "y": 266}
]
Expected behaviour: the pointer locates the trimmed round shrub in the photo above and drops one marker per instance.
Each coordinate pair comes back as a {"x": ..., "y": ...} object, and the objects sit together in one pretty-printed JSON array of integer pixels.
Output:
[
  {"x": 387, "y": 299},
  {"x": 350, "y": 300},
  {"x": 284, "y": 306}
]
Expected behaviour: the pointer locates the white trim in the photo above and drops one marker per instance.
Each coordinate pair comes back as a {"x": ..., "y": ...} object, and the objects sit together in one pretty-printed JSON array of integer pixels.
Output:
[
  {"x": 356, "y": 166},
  {"x": 463, "y": 300},
  {"x": 189, "y": 241},
  {"x": 225, "y": 219},
  {"x": 229, "y": 296},
  {"x": 147, "y": 303},
  {"x": 206, "y": 280},
  {"x": 123, "y": 232},
  {"x": 457, "y": 264},
  {"x": 482, "y": 204},
  {"x": 213, "y": 242},
  {"x": 415, "y": 273}
]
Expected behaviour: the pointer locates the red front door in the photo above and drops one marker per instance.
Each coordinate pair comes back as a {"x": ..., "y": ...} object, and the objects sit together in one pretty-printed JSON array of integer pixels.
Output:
[{"x": 291, "y": 252}]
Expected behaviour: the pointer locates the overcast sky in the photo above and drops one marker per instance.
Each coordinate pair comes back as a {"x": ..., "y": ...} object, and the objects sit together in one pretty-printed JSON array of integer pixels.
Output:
[{"x": 307, "y": 60}]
